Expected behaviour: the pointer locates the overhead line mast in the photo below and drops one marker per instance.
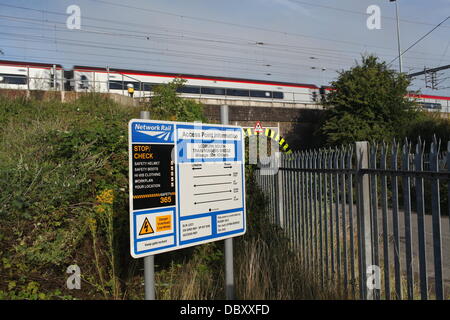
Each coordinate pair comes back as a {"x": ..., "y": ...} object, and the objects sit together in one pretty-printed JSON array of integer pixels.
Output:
[{"x": 425, "y": 71}]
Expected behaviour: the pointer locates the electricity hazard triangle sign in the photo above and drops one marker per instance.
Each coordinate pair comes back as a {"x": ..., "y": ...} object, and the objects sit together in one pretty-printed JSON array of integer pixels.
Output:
[
  {"x": 146, "y": 228},
  {"x": 258, "y": 128}
]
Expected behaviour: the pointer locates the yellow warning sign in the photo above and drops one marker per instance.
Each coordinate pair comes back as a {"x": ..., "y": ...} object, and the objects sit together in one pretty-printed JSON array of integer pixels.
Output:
[
  {"x": 146, "y": 228},
  {"x": 163, "y": 223}
]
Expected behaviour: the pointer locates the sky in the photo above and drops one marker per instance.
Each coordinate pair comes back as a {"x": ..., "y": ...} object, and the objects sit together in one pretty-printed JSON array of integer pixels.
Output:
[{"x": 302, "y": 41}]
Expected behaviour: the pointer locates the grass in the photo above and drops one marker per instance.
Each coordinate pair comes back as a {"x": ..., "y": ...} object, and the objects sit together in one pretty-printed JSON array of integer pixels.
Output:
[
  {"x": 265, "y": 273},
  {"x": 265, "y": 266},
  {"x": 55, "y": 160}
]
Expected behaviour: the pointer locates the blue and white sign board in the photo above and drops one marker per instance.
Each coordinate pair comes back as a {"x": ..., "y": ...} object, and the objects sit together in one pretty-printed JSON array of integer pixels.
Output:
[{"x": 187, "y": 185}]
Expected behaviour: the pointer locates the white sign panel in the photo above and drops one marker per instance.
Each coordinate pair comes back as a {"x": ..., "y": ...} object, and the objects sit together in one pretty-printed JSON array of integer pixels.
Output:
[{"x": 187, "y": 185}]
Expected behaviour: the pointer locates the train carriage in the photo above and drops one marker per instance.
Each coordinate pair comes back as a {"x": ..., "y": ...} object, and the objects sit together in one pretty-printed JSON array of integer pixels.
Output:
[
  {"x": 44, "y": 76},
  {"x": 117, "y": 81},
  {"x": 427, "y": 102},
  {"x": 432, "y": 103},
  {"x": 31, "y": 75}
]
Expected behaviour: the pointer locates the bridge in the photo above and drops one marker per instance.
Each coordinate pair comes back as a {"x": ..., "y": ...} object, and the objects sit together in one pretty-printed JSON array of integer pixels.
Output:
[{"x": 297, "y": 121}]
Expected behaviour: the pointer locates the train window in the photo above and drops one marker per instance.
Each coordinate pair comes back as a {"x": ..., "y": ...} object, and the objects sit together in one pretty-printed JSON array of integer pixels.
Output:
[
  {"x": 434, "y": 106},
  {"x": 52, "y": 80},
  {"x": 116, "y": 85},
  {"x": 260, "y": 94},
  {"x": 84, "y": 82},
  {"x": 278, "y": 95},
  {"x": 13, "y": 78},
  {"x": 119, "y": 85},
  {"x": 238, "y": 92},
  {"x": 215, "y": 91},
  {"x": 189, "y": 89},
  {"x": 147, "y": 86}
]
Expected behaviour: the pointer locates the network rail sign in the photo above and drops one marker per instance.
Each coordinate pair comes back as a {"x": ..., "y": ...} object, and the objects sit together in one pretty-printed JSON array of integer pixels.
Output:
[{"x": 187, "y": 185}]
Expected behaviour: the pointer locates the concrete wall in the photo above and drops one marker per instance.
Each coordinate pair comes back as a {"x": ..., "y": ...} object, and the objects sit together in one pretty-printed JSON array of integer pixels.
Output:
[
  {"x": 243, "y": 102},
  {"x": 64, "y": 96},
  {"x": 70, "y": 96}
]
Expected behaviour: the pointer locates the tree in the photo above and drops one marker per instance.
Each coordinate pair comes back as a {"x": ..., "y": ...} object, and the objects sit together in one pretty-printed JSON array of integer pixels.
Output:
[
  {"x": 166, "y": 104},
  {"x": 367, "y": 102}
]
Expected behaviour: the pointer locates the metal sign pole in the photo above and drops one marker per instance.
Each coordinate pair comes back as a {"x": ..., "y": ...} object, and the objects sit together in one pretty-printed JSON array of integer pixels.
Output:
[
  {"x": 229, "y": 279},
  {"x": 149, "y": 277},
  {"x": 149, "y": 261}
]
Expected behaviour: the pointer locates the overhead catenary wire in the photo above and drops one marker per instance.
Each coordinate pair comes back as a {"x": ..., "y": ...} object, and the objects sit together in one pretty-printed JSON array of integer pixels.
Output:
[
  {"x": 417, "y": 41},
  {"x": 110, "y": 21},
  {"x": 127, "y": 65},
  {"x": 287, "y": 33},
  {"x": 140, "y": 49},
  {"x": 39, "y": 40},
  {"x": 307, "y": 52},
  {"x": 326, "y": 57},
  {"x": 249, "y": 26},
  {"x": 415, "y": 21}
]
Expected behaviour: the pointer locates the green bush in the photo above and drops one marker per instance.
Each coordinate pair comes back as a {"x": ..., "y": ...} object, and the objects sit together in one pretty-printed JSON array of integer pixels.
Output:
[
  {"x": 55, "y": 159},
  {"x": 64, "y": 195},
  {"x": 368, "y": 103}
]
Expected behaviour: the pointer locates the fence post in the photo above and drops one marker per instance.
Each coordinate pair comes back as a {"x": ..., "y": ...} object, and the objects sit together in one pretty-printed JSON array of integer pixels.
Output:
[
  {"x": 28, "y": 81},
  {"x": 364, "y": 218},
  {"x": 436, "y": 220},
  {"x": 279, "y": 193},
  {"x": 107, "y": 79},
  {"x": 54, "y": 77}
]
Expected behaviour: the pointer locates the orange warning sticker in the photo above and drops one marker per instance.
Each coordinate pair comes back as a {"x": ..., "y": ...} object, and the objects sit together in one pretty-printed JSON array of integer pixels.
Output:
[
  {"x": 146, "y": 228},
  {"x": 163, "y": 223}
]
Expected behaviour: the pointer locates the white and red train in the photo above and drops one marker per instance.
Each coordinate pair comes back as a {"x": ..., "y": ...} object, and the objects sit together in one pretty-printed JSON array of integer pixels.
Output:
[
  {"x": 41, "y": 76},
  {"x": 427, "y": 102}
]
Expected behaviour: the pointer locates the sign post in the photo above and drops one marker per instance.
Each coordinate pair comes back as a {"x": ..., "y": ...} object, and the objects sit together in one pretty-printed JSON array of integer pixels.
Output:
[
  {"x": 149, "y": 261},
  {"x": 187, "y": 187},
  {"x": 229, "y": 271}
]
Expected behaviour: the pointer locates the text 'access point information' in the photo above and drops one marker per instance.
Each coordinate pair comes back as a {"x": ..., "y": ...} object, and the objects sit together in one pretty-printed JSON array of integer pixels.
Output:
[{"x": 187, "y": 185}]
